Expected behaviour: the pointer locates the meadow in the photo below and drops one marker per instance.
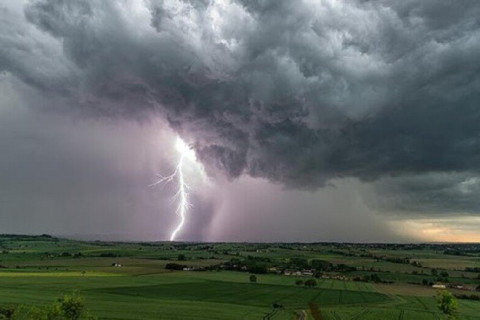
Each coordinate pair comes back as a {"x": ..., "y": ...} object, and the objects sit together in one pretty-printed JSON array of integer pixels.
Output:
[{"x": 213, "y": 281}]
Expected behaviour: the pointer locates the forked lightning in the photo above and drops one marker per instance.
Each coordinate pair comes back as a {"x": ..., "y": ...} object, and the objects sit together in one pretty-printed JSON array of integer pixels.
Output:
[{"x": 182, "y": 193}]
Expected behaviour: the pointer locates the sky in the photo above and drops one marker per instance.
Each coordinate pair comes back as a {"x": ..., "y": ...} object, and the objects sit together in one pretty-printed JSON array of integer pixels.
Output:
[{"x": 308, "y": 120}]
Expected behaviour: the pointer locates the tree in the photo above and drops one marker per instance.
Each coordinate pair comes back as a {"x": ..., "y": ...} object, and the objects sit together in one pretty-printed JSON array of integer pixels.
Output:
[
  {"x": 68, "y": 307},
  {"x": 299, "y": 282},
  {"x": 72, "y": 306},
  {"x": 174, "y": 266},
  {"x": 253, "y": 278},
  {"x": 321, "y": 265},
  {"x": 300, "y": 263},
  {"x": 447, "y": 302},
  {"x": 257, "y": 267},
  {"x": 181, "y": 257},
  {"x": 311, "y": 283},
  {"x": 375, "y": 278},
  {"x": 7, "y": 312}
]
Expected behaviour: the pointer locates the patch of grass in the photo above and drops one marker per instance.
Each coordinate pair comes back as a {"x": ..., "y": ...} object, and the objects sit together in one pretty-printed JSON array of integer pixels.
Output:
[{"x": 35, "y": 270}]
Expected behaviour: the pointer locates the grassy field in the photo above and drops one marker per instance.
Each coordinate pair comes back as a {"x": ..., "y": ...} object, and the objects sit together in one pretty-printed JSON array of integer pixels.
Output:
[{"x": 37, "y": 270}]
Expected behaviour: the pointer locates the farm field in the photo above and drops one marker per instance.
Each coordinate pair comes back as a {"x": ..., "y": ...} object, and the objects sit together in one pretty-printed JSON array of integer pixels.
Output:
[{"x": 214, "y": 281}]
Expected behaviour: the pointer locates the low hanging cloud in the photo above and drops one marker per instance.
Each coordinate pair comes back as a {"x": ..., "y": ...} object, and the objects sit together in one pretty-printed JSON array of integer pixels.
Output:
[
  {"x": 427, "y": 194},
  {"x": 295, "y": 92}
]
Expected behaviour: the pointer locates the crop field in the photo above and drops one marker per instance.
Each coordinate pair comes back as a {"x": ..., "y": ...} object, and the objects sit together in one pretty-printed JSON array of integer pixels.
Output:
[{"x": 214, "y": 281}]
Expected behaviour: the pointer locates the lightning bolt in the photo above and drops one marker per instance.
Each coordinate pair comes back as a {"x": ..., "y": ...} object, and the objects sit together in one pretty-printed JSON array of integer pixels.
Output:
[{"x": 182, "y": 193}]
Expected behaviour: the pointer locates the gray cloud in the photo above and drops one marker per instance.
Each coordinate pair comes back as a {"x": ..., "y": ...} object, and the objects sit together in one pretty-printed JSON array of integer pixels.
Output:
[
  {"x": 429, "y": 194},
  {"x": 296, "y": 92},
  {"x": 87, "y": 178},
  {"x": 335, "y": 213}
]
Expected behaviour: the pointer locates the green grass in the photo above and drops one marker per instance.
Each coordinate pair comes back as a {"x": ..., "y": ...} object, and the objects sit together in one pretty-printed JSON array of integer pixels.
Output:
[
  {"x": 253, "y": 294},
  {"x": 111, "y": 296},
  {"x": 37, "y": 270}
]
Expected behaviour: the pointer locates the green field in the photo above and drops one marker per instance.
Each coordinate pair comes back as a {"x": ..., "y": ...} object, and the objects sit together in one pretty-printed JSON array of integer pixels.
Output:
[{"x": 37, "y": 270}]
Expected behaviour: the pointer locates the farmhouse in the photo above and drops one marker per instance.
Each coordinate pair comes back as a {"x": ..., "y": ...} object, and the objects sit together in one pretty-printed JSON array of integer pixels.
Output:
[
  {"x": 291, "y": 272},
  {"x": 439, "y": 286},
  {"x": 307, "y": 272}
]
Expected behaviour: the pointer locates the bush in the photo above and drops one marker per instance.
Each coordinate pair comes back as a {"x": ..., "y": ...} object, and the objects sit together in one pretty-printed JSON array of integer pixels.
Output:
[
  {"x": 259, "y": 268},
  {"x": 182, "y": 257},
  {"x": 72, "y": 306},
  {"x": 7, "y": 312},
  {"x": 467, "y": 297},
  {"x": 253, "y": 278},
  {"x": 447, "y": 302},
  {"x": 109, "y": 255},
  {"x": 300, "y": 263},
  {"x": 69, "y": 307},
  {"x": 34, "y": 312},
  {"x": 174, "y": 266},
  {"x": 311, "y": 283},
  {"x": 321, "y": 265},
  {"x": 375, "y": 278},
  {"x": 299, "y": 282}
]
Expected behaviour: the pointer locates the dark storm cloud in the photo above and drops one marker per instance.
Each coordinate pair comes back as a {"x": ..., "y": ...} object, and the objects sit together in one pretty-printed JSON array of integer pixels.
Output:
[
  {"x": 29, "y": 54},
  {"x": 427, "y": 194},
  {"x": 297, "y": 92}
]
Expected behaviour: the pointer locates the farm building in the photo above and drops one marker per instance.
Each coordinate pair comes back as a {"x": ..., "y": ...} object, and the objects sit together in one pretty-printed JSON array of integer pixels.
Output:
[
  {"x": 291, "y": 272},
  {"x": 307, "y": 272}
]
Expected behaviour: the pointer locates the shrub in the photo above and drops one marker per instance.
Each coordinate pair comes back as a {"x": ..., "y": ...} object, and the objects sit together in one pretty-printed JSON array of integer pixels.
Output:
[
  {"x": 109, "y": 255},
  {"x": 311, "y": 283},
  {"x": 174, "y": 266},
  {"x": 71, "y": 306},
  {"x": 299, "y": 282},
  {"x": 7, "y": 312},
  {"x": 447, "y": 302},
  {"x": 181, "y": 257},
  {"x": 68, "y": 307}
]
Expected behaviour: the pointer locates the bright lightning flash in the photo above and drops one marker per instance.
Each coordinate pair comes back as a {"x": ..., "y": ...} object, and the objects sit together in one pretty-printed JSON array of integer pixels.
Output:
[{"x": 182, "y": 193}]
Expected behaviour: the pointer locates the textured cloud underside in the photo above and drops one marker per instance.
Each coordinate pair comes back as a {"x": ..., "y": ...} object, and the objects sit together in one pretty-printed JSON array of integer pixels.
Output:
[{"x": 296, "y": 92}]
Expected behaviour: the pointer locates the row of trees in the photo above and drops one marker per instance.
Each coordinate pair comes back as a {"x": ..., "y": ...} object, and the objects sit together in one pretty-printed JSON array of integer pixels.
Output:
[
  {"x": 307, "y": 283},
  {"x": 299, "y": 282},
  {"x": 260, "y": 265}
]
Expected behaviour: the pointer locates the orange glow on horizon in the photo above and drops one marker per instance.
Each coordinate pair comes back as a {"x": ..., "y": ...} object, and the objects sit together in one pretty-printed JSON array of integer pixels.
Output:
[{"x": 461, "y": 229}]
